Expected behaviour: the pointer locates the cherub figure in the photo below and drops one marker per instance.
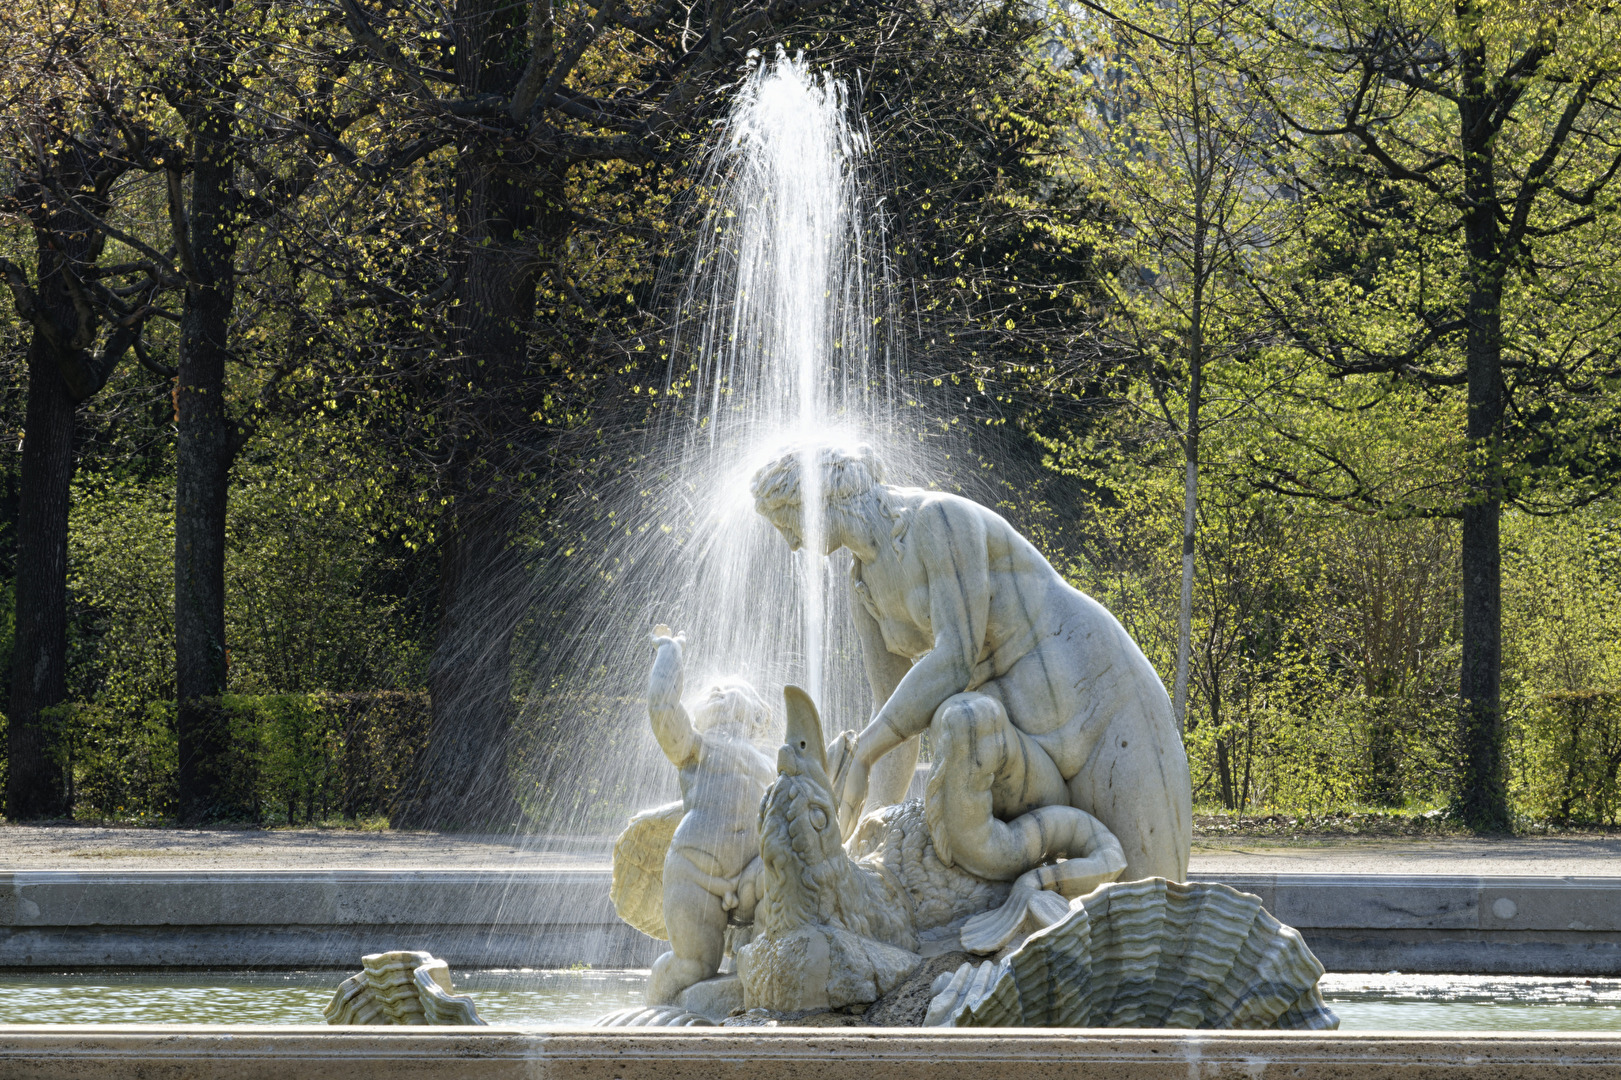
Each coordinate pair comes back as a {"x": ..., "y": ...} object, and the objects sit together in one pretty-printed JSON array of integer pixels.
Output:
[{"x": 712, "y": 868}]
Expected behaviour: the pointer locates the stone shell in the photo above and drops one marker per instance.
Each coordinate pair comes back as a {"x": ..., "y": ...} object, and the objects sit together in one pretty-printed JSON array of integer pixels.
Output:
[
  {"x": 402, "y": 987},
  {"x": 1150, "y": 953},
  {"x": 653, "y": 1016},
  {"x": 637, "y": 891}
]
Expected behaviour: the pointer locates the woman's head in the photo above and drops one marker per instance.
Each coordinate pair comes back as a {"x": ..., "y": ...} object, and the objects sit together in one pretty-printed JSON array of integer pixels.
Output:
[{"x": 849, "y": 477}]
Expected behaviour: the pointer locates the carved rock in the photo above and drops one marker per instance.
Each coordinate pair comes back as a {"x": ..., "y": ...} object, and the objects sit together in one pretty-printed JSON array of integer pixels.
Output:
[
  {"x": 831, "y": 930},
  {"x": 400, "y": 988},
  {"x": 715, "y": 998},
  {"x": 1148, "y": 953},
  {"x": 820, "y": 967}
]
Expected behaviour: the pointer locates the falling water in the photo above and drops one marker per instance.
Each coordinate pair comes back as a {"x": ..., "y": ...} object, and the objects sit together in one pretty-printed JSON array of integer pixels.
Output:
[
  {"x": 783, "y": 352},
  {"x": 783, "y": 340}
]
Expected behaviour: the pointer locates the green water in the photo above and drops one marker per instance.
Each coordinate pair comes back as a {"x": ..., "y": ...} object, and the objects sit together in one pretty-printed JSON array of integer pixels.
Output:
[
  {"x": 518, "y": 997},
  {"x": 1473, "y": 1003},
  {"x": 1363, "y": 1002}
]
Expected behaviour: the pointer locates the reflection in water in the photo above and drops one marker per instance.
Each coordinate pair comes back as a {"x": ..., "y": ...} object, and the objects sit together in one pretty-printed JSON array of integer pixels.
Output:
[
  {"x": 1363, "y": 1002},
  {"x": 1473, "y": 1002},
  {"x": 504, "y": 997},
  {"x": 1466, "y": 1016}
]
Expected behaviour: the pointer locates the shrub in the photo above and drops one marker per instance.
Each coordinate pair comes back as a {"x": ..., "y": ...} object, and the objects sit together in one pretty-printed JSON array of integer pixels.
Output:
[
  {"x": 295, "y": 758},
  {"x": 1570, "y": 755}
]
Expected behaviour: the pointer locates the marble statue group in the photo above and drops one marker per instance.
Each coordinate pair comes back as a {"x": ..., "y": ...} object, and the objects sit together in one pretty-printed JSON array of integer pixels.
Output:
[{"x": 1057, "y": 777}]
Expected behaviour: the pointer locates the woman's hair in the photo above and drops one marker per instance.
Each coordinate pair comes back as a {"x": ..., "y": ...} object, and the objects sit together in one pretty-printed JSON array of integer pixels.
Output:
[
  {"x": 847, "y": 472},
  {"x": 852, "y": 487}
]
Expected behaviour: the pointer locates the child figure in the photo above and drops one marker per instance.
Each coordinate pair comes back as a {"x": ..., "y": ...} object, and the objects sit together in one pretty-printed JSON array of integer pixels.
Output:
[{"x": 713, "y": 864}]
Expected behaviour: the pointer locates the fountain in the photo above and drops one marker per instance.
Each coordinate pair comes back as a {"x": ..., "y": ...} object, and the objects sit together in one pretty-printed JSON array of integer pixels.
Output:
[
  {"x": 1058, "y": 767},
  {"x": 785, "y": 332},
  {"x": 845, "y": 901},
  {"x": 1038, "y": 883}
]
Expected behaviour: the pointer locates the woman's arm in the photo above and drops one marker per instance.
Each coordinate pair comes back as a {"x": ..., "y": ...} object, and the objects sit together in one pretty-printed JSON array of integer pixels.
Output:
[
  {"x": 892, "y": 773},
  {"x": 949, "y": 540}
]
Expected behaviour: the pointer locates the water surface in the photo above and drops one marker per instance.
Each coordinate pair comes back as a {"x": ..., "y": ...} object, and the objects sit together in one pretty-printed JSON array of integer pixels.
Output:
[{"x": 1363, "y": 1002}]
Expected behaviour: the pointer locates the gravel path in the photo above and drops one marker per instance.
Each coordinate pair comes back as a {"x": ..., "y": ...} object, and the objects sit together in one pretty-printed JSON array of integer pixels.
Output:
[
  {"x": 73, "y": 847},
  {"x": 58, "y": 847},
  {"x": 1547, "y": 856}
]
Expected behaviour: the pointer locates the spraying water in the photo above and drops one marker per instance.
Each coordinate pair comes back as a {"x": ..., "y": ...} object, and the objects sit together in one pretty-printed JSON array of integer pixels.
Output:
[
  {"x": 784, "y": 350},
  {"x": 783, "y": 341}
]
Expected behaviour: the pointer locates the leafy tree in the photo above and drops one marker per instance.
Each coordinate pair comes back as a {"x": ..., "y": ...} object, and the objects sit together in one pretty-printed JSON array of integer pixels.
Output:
[
  {"x": 1456, "y": 162},
  {"x": 551, "y": 122},
  {"x": 1168, "y": 146},
  {"x": 216, "y": 98},
  {"x": 68, "y": 151}
]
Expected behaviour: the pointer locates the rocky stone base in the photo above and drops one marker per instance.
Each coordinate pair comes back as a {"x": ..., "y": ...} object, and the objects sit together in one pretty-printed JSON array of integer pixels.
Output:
[{"x": 904, "y": 1006}]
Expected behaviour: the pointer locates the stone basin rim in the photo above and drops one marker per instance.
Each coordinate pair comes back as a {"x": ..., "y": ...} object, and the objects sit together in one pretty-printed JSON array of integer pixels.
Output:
[
  {"x": 579, "y": 1030},
  {"x": 317, "y": 1052},
  {"x": 706, "y": 1039}
]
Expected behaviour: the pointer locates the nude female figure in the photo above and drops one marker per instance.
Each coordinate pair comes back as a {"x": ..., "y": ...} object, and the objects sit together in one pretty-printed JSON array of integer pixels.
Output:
[{"x": 1035, "y": 696}]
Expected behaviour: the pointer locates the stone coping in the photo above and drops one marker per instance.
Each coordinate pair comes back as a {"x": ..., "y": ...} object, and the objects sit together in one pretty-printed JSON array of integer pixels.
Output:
[
  {"x": 303, "y": 897},
  {"x": 1531, "y": 925},
  {"x": 193, "y": 1052},
  {"x": 1438, "y": 901},
  {"x": 527, "y": 897}
]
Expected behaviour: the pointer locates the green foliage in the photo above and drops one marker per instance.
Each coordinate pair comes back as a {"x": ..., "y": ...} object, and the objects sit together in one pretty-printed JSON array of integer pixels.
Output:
[
  {"x": 1420, "y": 228},
  {"x": 122, "y": 763},
  {"x": 1083, "y": 216},
  {"x": 1569, "y": 754},
  {"x": 1563, "y": 665},
  {"x": 295, "y": 758},
  {"x": 313, "y": 594},
  {"x": 1326, "y": 644},
  {"x": 558, "y": 786},
  {"x": 121, "y": 586}
]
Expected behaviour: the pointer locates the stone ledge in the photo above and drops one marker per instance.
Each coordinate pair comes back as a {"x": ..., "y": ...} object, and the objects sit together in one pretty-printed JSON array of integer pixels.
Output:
[
  {"x": 525, "y": 897},
  {"x": 302, "y": 898},
  {"x": 179, "y": 1052},
  {"x": 546, "y": 918},
  {"x": 1438, "y": 902},
  {"x": 336, "y": 947}
]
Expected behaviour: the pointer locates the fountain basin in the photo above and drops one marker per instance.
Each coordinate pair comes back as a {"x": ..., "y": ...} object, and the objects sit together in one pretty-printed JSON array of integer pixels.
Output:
[
  {"x": 61, "y": 919},
  {"x": 499, "y": 1053}
]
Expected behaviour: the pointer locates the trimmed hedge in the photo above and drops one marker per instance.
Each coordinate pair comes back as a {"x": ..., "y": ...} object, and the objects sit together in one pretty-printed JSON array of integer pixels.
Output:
[{"x": 295, "y": 758}]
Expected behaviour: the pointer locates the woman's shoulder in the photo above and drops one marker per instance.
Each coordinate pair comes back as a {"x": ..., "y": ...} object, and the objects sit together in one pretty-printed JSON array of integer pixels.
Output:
[{"x": 946, "y": 507}]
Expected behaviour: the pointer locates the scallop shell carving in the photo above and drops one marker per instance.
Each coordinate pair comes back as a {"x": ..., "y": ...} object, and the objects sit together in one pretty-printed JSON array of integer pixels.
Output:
[
  {"x": 400, "y": 988},
  {"x": 637, "y": 891},
  {"x": 654, "y": 1016},
  {"x": 1150, "y": 953}
]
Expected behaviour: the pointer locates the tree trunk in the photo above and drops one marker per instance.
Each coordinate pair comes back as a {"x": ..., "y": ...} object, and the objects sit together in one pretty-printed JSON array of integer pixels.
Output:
[
  {"x": 1483, "y": 796},
  {"x": 205, "y": 447},
  {"x": 36, "y": 785},
  {"x": 462, "y": 779},
  {"x": 1224, "y": 744},
  {"x": 1184, "y": 615},
  {"x": 1190, "y": 496},
  {"x": 1483, "y": 802}
]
